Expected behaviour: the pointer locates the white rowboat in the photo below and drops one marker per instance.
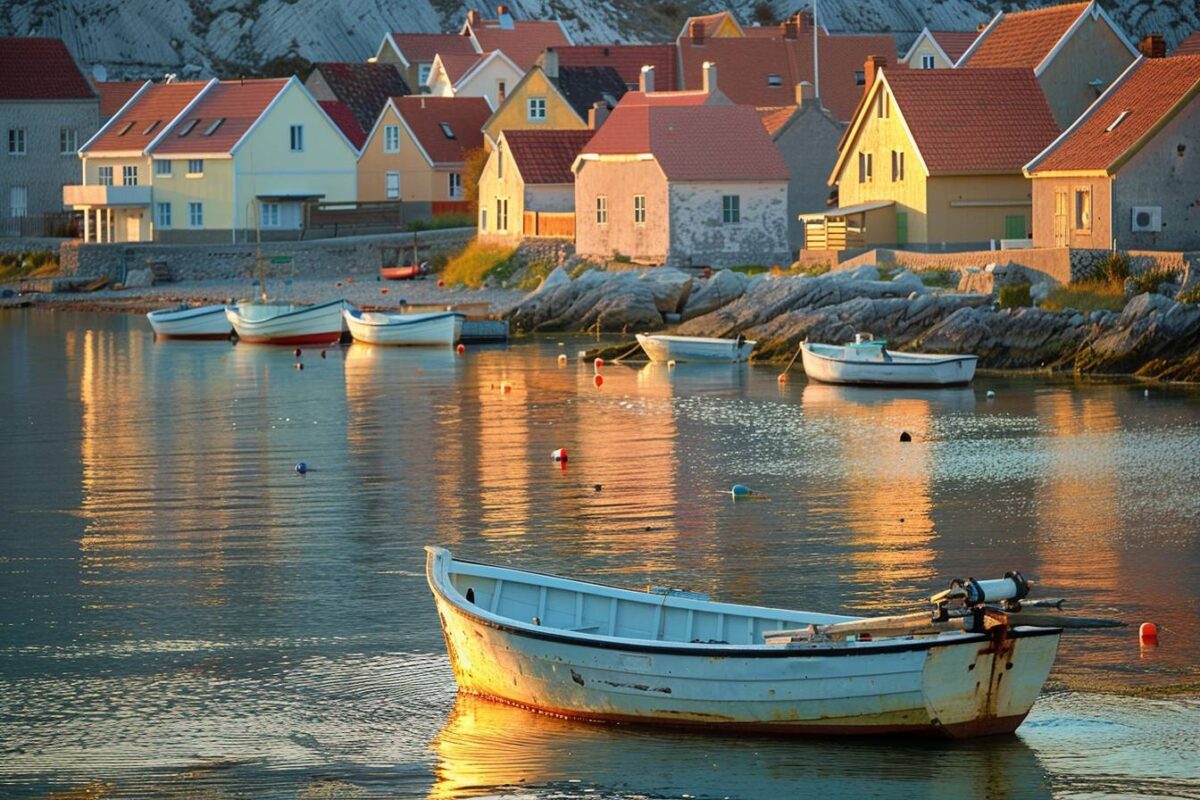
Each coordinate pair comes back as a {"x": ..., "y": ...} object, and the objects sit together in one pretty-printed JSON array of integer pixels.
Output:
[
  {"x": 868, "y": 361},
  {"x": 694, "y": 348},
  {"x": 435, "y": 328},
  {"x": 186, "y": 322},
  {"x": 596, "y": 652},
  {"x": 285, "y": 323}
]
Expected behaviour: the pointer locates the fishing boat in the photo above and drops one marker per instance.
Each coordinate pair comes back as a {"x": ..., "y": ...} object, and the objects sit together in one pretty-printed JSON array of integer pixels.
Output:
[
  {"x": 186, "y": 322},
  {"x": 287, "y": 323},
  {"x": 404, "y": 273},
  {"x": 432, "y": 328},
  {"x": 661, "y": 347},
  {"x": 590, "y": 651},
  {"x": 867, "y": 360}
]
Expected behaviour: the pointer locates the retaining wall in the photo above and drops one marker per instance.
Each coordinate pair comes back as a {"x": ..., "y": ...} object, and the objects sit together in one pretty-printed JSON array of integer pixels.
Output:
[{"x": 30, "y": 244}]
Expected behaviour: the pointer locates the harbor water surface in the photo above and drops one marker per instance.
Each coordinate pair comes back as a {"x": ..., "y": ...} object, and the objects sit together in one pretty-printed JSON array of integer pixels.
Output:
[{"x": 183, "y": 615}]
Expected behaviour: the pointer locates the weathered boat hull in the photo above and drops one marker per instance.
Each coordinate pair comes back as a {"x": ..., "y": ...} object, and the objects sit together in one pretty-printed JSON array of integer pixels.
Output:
[
  {"x": 904, "y": 370},
  {"x": 286, "y": 324},
  {"x": 432, "y": 329},
  {"x": 691, "y": 348},
  {"x": 957, "y": 686},
  {"x": 204, "y": 322}
]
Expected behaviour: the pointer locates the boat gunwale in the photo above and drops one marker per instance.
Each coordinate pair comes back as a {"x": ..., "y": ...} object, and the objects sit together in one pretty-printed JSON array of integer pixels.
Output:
[
  {"x": 185, "y": 313},
  {"x": 430, "y": 316},
  {"x": 670, "y": 337},
  {"x": 929, "y": 360},
  {"x": 304, "y": 309}
]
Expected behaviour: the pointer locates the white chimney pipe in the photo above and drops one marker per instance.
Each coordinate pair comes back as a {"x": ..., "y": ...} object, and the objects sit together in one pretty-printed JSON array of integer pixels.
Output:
[
  {"x": 646, "y": 80},
  {"x": 710, "y": 77}
]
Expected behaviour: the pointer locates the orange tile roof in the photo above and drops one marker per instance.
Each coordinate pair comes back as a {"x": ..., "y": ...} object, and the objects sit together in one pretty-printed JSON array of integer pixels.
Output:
[
  {"x": 774, "y": 118},
  {"x": 458, "y": 64},
  {"x": 977, "y": 120},
  {"x": 422, "y": 47},
  {"x": 523, "y": 42},
  {"x": 114, "y": 94},
  {"x": 1148, "y": 95},
  {"x": 546, "y": 156},
  {"x": 425, "y": 115},
  {"x": 626, "y": 59},
  {"x": 954, "y": 43},
  {"x": 238, "y": 103},
  {"x": 1025, "y": 38},
  {"x": 693, "y": 98},
  {"x": 1189, "y": 46},
  {"x": 146, "y": 118}
]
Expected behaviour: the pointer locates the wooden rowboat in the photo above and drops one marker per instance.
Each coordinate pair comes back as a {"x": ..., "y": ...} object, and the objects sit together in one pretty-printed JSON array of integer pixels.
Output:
[
  {"x": 405, "y": 273},
  {"x": 659, "y": 347},
  {"x": 868, "y": 361},
  {"x": 186, "y": 322},
  {"x": 433, "y": 328},
  {"x": 596, "y": 652},
  {"x": 285, "y": 323}
]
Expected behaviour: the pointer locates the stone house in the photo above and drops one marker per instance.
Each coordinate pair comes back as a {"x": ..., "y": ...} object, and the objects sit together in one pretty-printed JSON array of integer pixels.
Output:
[
  {"x": 663, "y": 185},
  {"x": 928, "y": 183},
  {"x": 1126, "y": 175},
  {"x": 1075, "y": 50},
  {"x": 527, "y": 187},
  {"x": 937, "y": 49},
  {"x": 361, "y": 88},
  {"x": 416, "y": 150},
  {"x": 47, "y": 110},
  {"x": 489, "y": 75}
]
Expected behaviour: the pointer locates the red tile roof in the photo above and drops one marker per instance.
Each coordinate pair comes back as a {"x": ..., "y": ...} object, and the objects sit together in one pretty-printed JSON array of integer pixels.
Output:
[
  {"x": 465, "y": 116},
  {"x": 420, "y": 48},
  {"x": 626, "y": 59},
  {"x": 523, "y": 42},
  {"x": 344, "y": 118},
  {"x": 114, "y": 94},
  {"x": 1189, "y": 46},
  {"x": 458, "y": 64},
  {"x": 146, "y": 118},
  {"x": 363, "y": 86},
  {"x": 976, "y": 120},
  {"x": 774, "y": 118},
  {"x": 1025, "y": 38},
  {"x": 546, "y": 156},
  {"x": 1149, "y": 94},
  {"x": 238, "y": 103},
  {"x": 954, "y": 43},
  {"x": 693, "y": 98},
  {"x": 685, "y": 140},
  {"x": 33, "y": 68}
]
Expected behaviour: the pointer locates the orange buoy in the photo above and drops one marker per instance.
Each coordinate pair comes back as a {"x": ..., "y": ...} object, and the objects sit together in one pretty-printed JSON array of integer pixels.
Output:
[
  {"x": 783, "y": 377},
  {"x": 1148, "y": 633},
  {"x": 505, "y": 387},
  {"x": 383, "y": 290},
  {"x": 349, "y": 280},
  {"x": 671, "y": 364},
  {"x": 562, "y": 359},
  {"x": 441, "y": 284},
  {"x": 462, "y": 348},
  {"x": 598, "y": 380},
  {"x": 339, "y": 283},
  {"x": 598, "y": 363}
]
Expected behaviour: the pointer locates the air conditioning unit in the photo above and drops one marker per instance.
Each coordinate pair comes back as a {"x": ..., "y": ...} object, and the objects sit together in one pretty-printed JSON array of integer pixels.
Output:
[{"x": 1147, "y": 218}]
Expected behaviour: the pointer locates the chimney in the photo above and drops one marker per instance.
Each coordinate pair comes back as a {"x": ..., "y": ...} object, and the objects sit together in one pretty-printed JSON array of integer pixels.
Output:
[
  {"x": 501, "y": 10},
  {"x": 1153, "y": 46},
  {"x": 550, "y": 62},
  {"x": 710, "y": 77},
  {"x": 473, "y": 18},
  {"x": 696, "y": 31},
  {"x": 597, "y": 114},
  {"x": 646, "y": 80},
  {"x": 805, "y": 94},
  {"x": 791, "y": 28},
  {"x": 979, "y": 28},
  {"x": 873, "y": 64}
]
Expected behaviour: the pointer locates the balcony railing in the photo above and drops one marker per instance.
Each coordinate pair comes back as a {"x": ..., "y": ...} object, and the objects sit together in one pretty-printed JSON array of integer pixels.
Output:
[{"x": 96, "y": 195}]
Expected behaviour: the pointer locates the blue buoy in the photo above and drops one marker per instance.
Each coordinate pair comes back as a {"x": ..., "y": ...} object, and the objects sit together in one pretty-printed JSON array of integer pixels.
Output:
[
  {"x": 301, "y": 468},
  {"x": 739, "y": 490}
]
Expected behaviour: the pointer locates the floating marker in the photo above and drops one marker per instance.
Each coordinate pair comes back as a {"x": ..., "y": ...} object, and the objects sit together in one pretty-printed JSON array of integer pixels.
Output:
[
  {"x": 441, "y": 284},
  {"x": 339, "y": 283},
  {"x": 598, "y": 363},
  {"x": 905, "y": 436},
  {"x": 562, "y": 359},
  {"x": 671, "y": 364},
  {"x": 298, "y": 352},
  {"x": 301, "y": 468},
  {"x": 299, "y": 365},
  {"x": 598, "y": 380},
  {"x": 349, "y": 280},
  {"x": 461, "y": 348},
  {"x": 383, "y": 290},
  {"x": 991, "y": 394},
  {"x": 741, "y": 490},
  {"x": 562, "y": 344},
  {"x": 1146, "y": 393},
  {"x": 783, "y": 377},
  {"x": 322, "y": 354},
  {"x": 1148, "y": 633},
  {"x": 505, "y": 387},
  {"x": 559, "y": 455}
]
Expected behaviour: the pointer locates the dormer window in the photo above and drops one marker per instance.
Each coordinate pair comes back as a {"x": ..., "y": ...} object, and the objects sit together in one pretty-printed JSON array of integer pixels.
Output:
[
  {"x": 447, "y": 131},
  {"x": 150, "y": 128},
  {"x": 774, "y": 80},
  {"x": 1120, "y": 118},
  {"x": 211, "y": 129},
  {"x": 128, "y": 126},
  {"x": 187, "y": 127}
]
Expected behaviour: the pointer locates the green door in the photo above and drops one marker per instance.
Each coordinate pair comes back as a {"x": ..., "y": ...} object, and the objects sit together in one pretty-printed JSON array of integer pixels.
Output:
[
  {"x": 1014, "y": 227},
  {"x": 901, "y": 227}
]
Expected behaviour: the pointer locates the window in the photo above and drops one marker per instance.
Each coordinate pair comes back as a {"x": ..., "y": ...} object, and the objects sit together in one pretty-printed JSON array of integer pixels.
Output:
[
  {"x": 162, "y": 167},
  {"x": 105, "y": 176},
  {"x": 897, "y": 165},
  {"x": 150, "y": 128},
  {"x": 297, "y": 138},
  {"x": 927, "y": 61},
  {"x": 1083, "y": 209},
  {"x": 211, "y": 129},
  {"x": 860, "y": 78},
  {"x": 392, "y": 185},
  {"x": 483, "y": 219},
  {"x": 639, "y": 209},
  {"x": 501, "y": 91},
  {"x": 731, "y": 209},
  {"x": 128, "y": 127},
  {"x": 195, "y": 166},
  {"x": 774, "y": 80},
  {"x": 454, "y": 187},
  {"x": 18, "y": 201},
  {"x": 447, "y": 131},
  {"x": 68, "y": 141},
  {"x": 129, "y": 176},
  {"x": 423, "y": 74},
  {"x": 864, "y": 168},
  {"x": 500, "y": 162},
  {"x": 187, "y": 127},
  {"x": 270, "y": 215},
  {"x": 601, "y": 209},
  {"x": 162, "y": 215},
  {"x": 537, "y": 109},
  {"x": 883, "y": 105},
  {"x": 196, "y": 215},
  {"x": 16, "y": 141},
  {"x": 502, "y": 214},
  {"x": 391, "y": 138}
]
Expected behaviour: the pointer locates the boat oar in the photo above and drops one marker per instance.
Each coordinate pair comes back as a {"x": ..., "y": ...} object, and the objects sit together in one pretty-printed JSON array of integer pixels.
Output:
[{"x": 783, "y": 375}]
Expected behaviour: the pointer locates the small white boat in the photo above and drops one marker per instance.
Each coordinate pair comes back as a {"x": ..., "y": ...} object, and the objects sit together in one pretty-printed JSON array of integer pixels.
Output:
[
  {"x": 868, "y": 361},
  {"x": 661, "y": 347},
  {"x": 285, "y": 323},
  {"x": 596, "y": 652},
  {"x": 186, "y": 322},
  {"x": 432, "y": 328}
]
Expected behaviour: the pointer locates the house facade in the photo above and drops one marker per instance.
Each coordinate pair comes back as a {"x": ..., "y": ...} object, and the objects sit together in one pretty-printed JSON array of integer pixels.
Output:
[
  {"x": 47, "y": 110},
  {"x": 414, "y": 53},
  {"x": 490, "y": 75},
  {"x": 527, "y": 187},
  {"x": 937, "y": 49},
  {"x": 1125, "y": 175}
]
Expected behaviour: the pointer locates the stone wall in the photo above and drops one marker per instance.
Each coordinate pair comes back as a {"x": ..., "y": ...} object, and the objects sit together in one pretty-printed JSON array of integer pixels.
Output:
[
  {"x": 30, "y": 244},
  {"x": 1054, "y": 262},
  {"x": 317, "y": 257}
]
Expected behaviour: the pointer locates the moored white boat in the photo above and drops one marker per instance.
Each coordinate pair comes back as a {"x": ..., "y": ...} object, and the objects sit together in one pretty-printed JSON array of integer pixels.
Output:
[
  {"x": 286, "y": 323},
  {"x": 661, "y": 347},
  {"x": 868, "y": 361},
  {"x": 596, "y": 652},
  {"x": 432, "y": 328},
  {"x": 186, "y": 322}
]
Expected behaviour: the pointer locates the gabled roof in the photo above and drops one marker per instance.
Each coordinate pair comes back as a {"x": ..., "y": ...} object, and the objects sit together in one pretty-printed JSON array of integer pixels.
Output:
[
  {"x": 344, "y": 118},
  {"x": 521, "y": 40},
  {"x": 1189, "y": 46},
  {"x": 1148, "y": 95},
  {"x": 145, "y": 117},
  {"x": 115, "y": 94},
  {"x": 626, "y": 59},
  {"x": 545, "y": 157},
  {"x": 775, "y": 117},
  {"x": 690, "y": 98},
  {"x": 712, "y": 23},
  {"x": 35, "y": 68},
  {"x": 693, "y": 143},
  {"x": 951, "y": 44},
  {"x": 583, "y": 86},
  {"x": 420, "y": 48},
  {"x": 456, "y": 65},
  {"x": 364, "y": 87},
  {"x": 445, "y": 128},
  {"x": 238, "y": 105},
  {"x": 1029, "y": 38}
]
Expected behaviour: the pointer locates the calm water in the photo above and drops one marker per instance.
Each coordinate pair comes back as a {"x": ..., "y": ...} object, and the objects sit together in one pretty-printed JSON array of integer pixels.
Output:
[{"x": 182, "y": 615}]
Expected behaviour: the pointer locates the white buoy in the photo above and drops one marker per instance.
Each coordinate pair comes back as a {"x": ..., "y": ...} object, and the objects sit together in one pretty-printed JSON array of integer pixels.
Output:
[{"x": 991, "y": 394}]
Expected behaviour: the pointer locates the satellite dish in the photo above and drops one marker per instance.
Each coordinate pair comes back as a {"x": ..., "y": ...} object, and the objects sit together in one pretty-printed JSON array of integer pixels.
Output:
[{"x": 100, "y": 73}]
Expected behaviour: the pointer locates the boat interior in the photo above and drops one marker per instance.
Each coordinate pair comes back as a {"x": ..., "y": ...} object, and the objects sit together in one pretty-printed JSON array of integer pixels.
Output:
[{"x": 875, "y": 351}]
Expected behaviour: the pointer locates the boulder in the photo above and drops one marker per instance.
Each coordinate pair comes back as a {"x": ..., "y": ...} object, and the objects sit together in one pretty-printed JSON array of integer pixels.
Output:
[
  {"x": 139, "y": 279},
  {"x": 723, "y": 287},
  {"x": 557, "y": 277},
  {"x": 670, "y": 288}
]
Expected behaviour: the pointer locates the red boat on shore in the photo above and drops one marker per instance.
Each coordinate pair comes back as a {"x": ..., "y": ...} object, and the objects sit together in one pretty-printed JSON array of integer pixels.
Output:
[{"x": 405, "y": 273}]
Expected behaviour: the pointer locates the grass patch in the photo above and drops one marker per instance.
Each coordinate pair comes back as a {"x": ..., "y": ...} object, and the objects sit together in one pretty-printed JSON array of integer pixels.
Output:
[
  {"x": 621, "y": 258},
  {"x": 477, "y": 262},
  {"x": 1015, "y": 295},
  {"x": 750, "y": 269},
  {"x": 438, "y": 223},
  {"x": 1149, "y": 280},
  {"x": 938, "y": 278},
  {"x": 27, "y": 265},
  {"x": 1087, "y": 297},
  {"x": 1192, "y": 295}
]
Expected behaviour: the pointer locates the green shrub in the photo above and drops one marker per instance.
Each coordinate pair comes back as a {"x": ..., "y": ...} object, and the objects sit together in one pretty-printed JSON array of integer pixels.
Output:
[
  {"x": 444, "y": 221},
  {"x": 24, "y": 265},
  {"x": 1086, "y": 297},
  {"x": 1115, "y": 268},
  {"x": 1149, "y": 280},
  {"x": 938, "y": 278},
  {"x": 1191, "y": 295},
  {"x": 479, "y": 261},
  {"x": 621, "y": 258},
  {"x": 1015, "y": 295}
]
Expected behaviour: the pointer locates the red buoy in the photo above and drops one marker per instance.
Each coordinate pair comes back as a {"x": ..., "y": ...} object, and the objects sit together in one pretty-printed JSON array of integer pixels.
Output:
[
  {"x": 559, "y": 455},
  {"x": 462, "y": 348},
  {"x": 599, "y": 362},
  {"x": 598, "y": 380},
  {"x": 1148, "y": 633},
  {"x": 783, "y": 377},
  {"x": 349, "y": 280},
  {"x": 383, "y": 290}
]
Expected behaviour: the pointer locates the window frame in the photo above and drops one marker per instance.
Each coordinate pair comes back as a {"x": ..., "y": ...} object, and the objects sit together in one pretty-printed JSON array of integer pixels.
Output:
[
  {"x": 163, "y": 168},
  {"x": 159, "y": 216},
  {"x": 454, "y": 189},
  {"x": 502, "y": 214},
  {"x": 387, "y": 184},
  {"x": 1081, "y": 212},
  {"x": 601, "y": 209},
  {"x": 928, "y": 61},
  {"x": 271, "y": 216},
  {"x": 296, "y": 138},
  {"x": 731, "y": 209},
  {"x": 639, "y": 209},
  {"x": 13, "y": 208},
  {"x": 533, "y": 104},
  {"x": 423, "y": 71},
  {"x": 18, "y": 142},
  {"x": 390, "y": 146},
  {"x": 195, "y": 214},
  {"x": 104, "y": 175},
  {"x": 68, "y": 136},
  {"x": 129, "y": 171},
  {"x": 195, "y": 168}
]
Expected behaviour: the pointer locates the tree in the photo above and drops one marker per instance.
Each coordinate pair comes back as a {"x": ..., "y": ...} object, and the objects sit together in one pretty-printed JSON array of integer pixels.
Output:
[
  {"x": 763, "y": 14},
  {"x": 472, "y": 170}
]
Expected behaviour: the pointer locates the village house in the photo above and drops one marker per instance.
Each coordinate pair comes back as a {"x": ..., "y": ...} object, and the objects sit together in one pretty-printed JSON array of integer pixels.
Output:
[
  {"x": 1075, "y": 50},
  {"x": 521, "y": 40},
  {"x": 1126, "y": 174},
  {"x": 937, "y": 49},
  {"x": 209, "y": 162},
  {"x": 355, "y": 91},
  {"x": 648, "y": 94},
  {"x": 662, "y": 184},
  {"x": 626, "y": 59},
  {"x": 114, "y": 95},
  {"x": 47, "y": 110},
  {"x": 906, "y": 178},
  {"x": 527, "y": 188},
  {"x": 490, "y": 75},
  {"x": 414, "y": 54},
  {"x": 553, "y": 97},
  {"x": 416, "y": 150}
]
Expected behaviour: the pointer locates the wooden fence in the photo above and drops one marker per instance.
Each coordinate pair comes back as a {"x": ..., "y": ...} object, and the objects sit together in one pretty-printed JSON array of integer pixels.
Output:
[
  {"x": 354, "y": 216},
  {"x": 62, "y": 224},
  {"x": 556, "y": 224},
  {"x": 832, "y": 234}
]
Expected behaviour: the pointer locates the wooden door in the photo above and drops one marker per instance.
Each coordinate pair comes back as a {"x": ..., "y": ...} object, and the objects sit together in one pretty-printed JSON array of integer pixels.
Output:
[{"x": 1061, "y": 217}]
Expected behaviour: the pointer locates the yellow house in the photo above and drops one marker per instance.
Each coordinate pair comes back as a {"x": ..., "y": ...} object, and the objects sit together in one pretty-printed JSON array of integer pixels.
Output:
[
  {"x": 416, "y": 151},
  {"x": 937, "y": 49},
  {"x": 936, "y": 157},
  {"x": 551, "y": 97},
  {"x": 527, "y": 187}
]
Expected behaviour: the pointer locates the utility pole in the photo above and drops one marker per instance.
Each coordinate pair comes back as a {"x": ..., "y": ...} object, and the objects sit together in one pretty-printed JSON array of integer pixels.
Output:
[{"x": 816, "y": 59}]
